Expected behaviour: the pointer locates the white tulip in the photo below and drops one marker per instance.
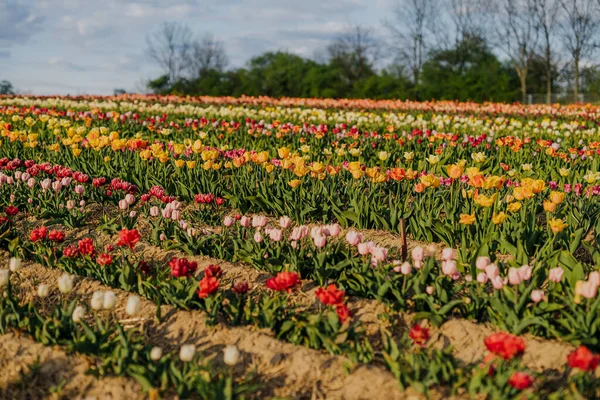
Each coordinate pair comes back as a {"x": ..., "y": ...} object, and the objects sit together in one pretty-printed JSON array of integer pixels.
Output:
[
  {"x": 231, "y": 355},
  {"x": 78, "y": 314},
  {"x": 4, "y": 277},
  {"x": 97, "y": 301},
  {"x": 187, "y": 352},
  {"x": 65, "y": 283},
  {"x": 156, "y": 353},
  {"x": 43, "y": 290},
  {"x": 134, "y": 305},
  {"x": 110, "y": 300},
  {"x": 15, "y": 264}
]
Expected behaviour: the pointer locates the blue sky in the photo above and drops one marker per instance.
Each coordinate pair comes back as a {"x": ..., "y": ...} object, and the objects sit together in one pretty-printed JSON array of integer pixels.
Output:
[{"x": 92, "y": 47}]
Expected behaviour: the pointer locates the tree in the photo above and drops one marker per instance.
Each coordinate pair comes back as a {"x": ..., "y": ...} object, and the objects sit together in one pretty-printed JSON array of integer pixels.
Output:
[
  {"x": 410, "y": 33},
  {"x": 206, "y": 54},
  {"x": 469, "y": 71},
  {"x": 517, "y": 36},
  {"x": 578, "y": 31},
  {"x": 170, "y": 47},
  {"x": 354, "y": 54},
  {"x": 546, "y": 14},
  {"x": 6, "y": 87}
]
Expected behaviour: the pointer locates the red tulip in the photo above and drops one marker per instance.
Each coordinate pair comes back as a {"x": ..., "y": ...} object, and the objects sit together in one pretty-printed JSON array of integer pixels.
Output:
[
  {"x": 505, "y": 345},
  {"x": 343, "y": 312},
  {"x": 56, "y": 236},
  {"x": 330, "y": 296},
  {"x": 86, "y": 247},
  {"x": 104, "y": 259},
  {"x": 240, "y": 288},
  {"x": 583, "y": 359},
  {"x": 283, "y": 281},
  {"x": 128, "y": 238},
  {"x": 419, "y": 335},
  {"x": 38, "y": 234},
  {"x": 180, "y": 267},
  {"x": 208, "y": 286},
  {"x": 213, "y": 271},
  {"x": 520, "y": 380},
  {"x": 11, "y": 210}
]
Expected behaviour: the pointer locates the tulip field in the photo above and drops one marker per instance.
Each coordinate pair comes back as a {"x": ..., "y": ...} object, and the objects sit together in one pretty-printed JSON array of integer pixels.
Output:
[{"x": 254, "y": 248}]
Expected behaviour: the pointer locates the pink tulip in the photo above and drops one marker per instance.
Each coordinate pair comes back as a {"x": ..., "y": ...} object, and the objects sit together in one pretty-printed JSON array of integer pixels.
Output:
[
  {"x": 447, "y": 254},
  {"x": 514, "y": 277},
  {"x": 79, "y": 189},
  {"x": 245, "y": 221},
  {"x": 482, "y": 262},
  {"x": 46, "y": 183},
  {"x": 276, "y": 234},
  {"x": 405, "y": 268},
  {"x": 482, "y": 277},
  {"x": 123, "y": 205},
  {"x": 130, "y": 199},
  {"x": 429, "y": 290},
  {"x": 497, "y": 282},
  {"x": 468, "y": 278},
  {"x": 18, "y": 175},
  {"x": 320, "y": 241},
  {"x": 132, "y": 214},
  {"x": 537, "y": 296},
  {"x": 492, "y": 271},
  {"x": 82, "y": 203},
  {"x": 449, "y": 268},
  {"x": 56, "y": 186},
  {"x": 258, "y": 237},
  {"x": 175, "y": 215},
  {"x": 589, "y": 289},
  {"x": 316, "y": 231},
  {"x": 154, "y": 211},
  {"x": 353, "y": 238},
  {"x": 417, "y": 254},
  {"x": 228, "y": 221},
  {"x": 166, "y": 212},
  {"x": 334, "y": 229},
  {"x": 364, "y": 248},
  {"x": 526, "y": 271},
  {"x": 70, "y": 205},
  {"x": 285, "y": 222},
  {"x": 25, "y": 176},
  {"x": 379, "y": 253},
  {"x": 31, "y": 183},
  {"x": 556, "y": 274},
  {"x": 294, "y": 244},
  {"x": 594, "y": 278},
  {"x": 259, "y": 221}
]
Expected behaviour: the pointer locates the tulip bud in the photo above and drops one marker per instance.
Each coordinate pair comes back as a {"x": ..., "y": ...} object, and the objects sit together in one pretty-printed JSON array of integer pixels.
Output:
[
  {"x": 65, "y": 283},
  {"x": 110, "y": 300},
  {"x": 447, "y": 254},
  {"x": 43, "y": 290},
  {"x": 537, "y": 295},
  {"x": 285, "y": 222},
  {"x": 97, "y": 301},
  {"x": 156, "y": 353},
  {"x": 134, "y": 305},
  {"x": 482, "y": 262},
  {"x": 187, "y": 352},
  {"x": 556, "y": 274},
  {"x": 429, "y": 290},
  {"x": 15, "y": 264},
  {"x": 231, "y": 355},
  {"x": 78, "y": 314},
  {"x": 4, "y": 277}
]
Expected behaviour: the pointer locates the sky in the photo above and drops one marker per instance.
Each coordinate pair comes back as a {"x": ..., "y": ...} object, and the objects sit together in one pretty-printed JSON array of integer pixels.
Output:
[{"x": 94, "y": 46}]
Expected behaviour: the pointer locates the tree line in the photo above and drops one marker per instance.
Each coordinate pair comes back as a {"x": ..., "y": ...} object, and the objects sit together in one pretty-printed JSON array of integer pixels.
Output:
[{"x": 481, "y": 50}]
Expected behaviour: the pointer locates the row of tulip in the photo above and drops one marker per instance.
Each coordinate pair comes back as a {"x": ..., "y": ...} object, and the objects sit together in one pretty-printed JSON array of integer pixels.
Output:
[
  {"x": 189, "y": 104},
  {"x": 113, "y": 350},
  {"x": 411, "y": 358}
]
